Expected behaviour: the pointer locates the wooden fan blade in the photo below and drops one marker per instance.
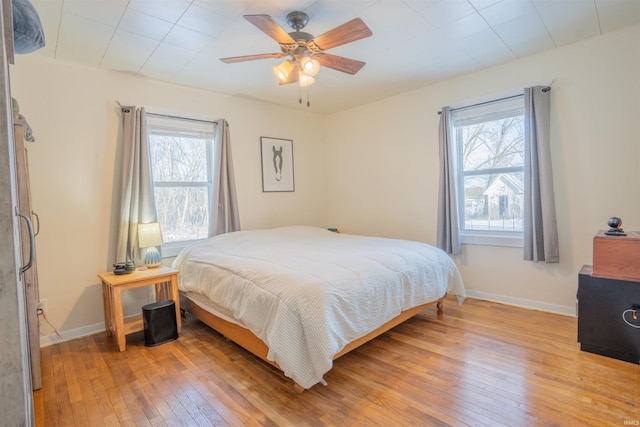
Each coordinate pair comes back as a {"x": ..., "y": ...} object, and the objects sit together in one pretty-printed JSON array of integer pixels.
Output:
[
  {"x": 340, "y": 63},
  {"x": 233, "y": 59},
  {"x": 270, "y": 28},
  {"x": 293, "y": 77},
  {"x": 348, "y": 32}
]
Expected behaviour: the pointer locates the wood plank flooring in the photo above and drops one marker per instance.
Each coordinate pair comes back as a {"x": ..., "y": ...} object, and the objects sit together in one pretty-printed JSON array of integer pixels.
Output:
[{"x": 479, "y": 364}]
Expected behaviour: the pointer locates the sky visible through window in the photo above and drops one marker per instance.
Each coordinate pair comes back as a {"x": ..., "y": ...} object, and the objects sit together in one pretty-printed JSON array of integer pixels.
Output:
[{"x": 492, "y": 159}]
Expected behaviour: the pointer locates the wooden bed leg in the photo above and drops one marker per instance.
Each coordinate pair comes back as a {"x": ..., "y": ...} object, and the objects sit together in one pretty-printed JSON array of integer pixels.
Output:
[
  {"x": 298, "y": 388},
  {"x": 440, "y": 304}
]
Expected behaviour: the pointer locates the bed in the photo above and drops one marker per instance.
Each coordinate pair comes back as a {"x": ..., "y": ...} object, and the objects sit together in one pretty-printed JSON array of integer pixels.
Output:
[{"x": 299, "y": 297}]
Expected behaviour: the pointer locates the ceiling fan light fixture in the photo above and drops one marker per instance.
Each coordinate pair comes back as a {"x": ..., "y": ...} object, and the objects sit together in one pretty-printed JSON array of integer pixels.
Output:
[
  {"x": 283, "y": 70},
  {"x": 305, "y": 80},
  {"x": 310, "y": 66},
  {"x": 306, "y": 53}
]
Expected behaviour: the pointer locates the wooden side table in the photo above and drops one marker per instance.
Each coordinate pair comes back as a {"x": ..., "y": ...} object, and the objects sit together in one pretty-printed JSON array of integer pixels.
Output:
[{"x": 164, "y": 279}]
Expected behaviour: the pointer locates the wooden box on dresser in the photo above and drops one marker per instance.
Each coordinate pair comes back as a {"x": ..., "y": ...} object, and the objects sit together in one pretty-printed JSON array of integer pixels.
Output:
[
  {"x": 609, "y": 316},
  {"x": 617, "y": 257}
]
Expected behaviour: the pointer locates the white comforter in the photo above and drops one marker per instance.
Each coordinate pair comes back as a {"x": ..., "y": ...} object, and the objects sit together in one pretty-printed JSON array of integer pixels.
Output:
[{"x": 307, "y": 292}]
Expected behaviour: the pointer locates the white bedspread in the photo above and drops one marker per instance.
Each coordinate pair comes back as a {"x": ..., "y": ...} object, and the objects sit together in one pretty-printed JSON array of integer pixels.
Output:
[{"x": 307, "y": 292}]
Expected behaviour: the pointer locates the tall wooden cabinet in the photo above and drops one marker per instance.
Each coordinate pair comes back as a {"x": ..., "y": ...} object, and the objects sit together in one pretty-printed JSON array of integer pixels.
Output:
[
  {"x": 16, "y": 402},
  {"x": 27, "y": 239}
]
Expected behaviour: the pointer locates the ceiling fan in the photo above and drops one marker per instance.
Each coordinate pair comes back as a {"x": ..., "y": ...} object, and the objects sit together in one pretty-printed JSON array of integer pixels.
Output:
[{"x": 305, "y": 52}]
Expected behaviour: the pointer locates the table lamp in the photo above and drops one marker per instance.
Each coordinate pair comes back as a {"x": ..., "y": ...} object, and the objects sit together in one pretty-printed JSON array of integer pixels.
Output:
[{"x": 150, "y": 237}]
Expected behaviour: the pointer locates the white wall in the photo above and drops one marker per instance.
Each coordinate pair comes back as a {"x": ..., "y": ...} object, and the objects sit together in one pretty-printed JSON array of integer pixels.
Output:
[
  {"x": 75, "y": 118},
  {"x": 370, "y": 170},
  {"x": 382, "y": 163}
]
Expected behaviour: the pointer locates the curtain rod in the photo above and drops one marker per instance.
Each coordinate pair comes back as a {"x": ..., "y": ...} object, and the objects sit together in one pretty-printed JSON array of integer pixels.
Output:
[
  {"x": 180, "y": 118},
  {"x": 544, "y": 90},
  {"x": 127, "y": 109}
]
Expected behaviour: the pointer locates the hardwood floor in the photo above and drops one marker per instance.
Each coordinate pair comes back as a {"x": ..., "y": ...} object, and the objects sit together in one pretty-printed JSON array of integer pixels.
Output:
[{"x": 480, "y": 364}]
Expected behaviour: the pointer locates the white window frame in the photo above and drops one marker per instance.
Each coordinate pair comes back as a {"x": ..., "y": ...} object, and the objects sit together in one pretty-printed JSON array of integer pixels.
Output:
[
  {"x": 174, "y": 125},
  {"x": 474, "y": 113}
]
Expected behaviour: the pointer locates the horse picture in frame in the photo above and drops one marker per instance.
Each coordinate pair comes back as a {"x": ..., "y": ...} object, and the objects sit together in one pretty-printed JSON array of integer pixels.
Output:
[{"x": 277, "y": 164}]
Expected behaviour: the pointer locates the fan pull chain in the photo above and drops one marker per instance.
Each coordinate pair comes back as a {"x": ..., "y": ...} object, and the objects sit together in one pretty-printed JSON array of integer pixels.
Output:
[{"x": 300, "y": 96}]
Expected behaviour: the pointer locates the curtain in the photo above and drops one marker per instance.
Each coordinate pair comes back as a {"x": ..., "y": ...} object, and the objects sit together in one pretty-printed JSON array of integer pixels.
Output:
[
  {"x": 224, "y": 212},
  {"x": 137, "y": 204},
  {"x": 540, "y": 225},
  {"x": 448, "y": 228}
]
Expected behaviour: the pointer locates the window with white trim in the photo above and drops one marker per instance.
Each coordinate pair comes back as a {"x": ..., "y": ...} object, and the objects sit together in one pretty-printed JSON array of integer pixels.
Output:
[
  {"x": 489, "y": 152},
  {"x": 181, "y": 156}
]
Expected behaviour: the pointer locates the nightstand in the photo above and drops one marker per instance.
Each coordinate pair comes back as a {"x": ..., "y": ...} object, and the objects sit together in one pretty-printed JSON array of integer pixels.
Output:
[{"x": 164, "y": 279}]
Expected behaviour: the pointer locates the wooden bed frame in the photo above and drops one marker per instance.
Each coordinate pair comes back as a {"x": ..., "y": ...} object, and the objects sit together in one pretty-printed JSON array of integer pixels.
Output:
[{"x": 249, "y": 341}]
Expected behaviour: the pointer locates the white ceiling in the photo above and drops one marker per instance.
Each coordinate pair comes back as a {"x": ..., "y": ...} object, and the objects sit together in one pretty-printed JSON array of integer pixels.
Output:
[{"x": 414, "y": 42}]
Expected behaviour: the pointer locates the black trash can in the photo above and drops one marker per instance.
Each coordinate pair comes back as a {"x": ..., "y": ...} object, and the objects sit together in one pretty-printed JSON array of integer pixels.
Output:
[{"x": 160, "y": 324}]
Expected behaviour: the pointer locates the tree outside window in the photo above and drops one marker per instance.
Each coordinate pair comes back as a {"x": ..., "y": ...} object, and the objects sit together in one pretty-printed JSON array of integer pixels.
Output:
[
  {"x": 180, "y": 151},
  {"x": 489, "y": 143}
]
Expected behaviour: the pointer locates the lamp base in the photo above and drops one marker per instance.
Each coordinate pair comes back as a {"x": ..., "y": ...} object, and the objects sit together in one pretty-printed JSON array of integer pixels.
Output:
[{"x": 152, "y": 258}]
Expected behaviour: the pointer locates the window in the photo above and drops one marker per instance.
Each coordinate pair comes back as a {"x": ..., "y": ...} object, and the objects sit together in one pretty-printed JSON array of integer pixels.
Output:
[
  {"x": 181, "y": 152},
  {"x": 489, "y": 151}
]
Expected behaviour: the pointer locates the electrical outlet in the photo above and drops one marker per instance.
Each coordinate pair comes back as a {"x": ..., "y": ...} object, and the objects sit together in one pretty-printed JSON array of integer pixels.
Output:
[{"x": 42, "y": 305}]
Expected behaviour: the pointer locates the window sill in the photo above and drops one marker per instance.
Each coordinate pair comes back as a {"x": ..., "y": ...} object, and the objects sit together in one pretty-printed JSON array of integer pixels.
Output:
[
  {"x": 171, "y": 250},
  {"x": 492, "y": 240}
]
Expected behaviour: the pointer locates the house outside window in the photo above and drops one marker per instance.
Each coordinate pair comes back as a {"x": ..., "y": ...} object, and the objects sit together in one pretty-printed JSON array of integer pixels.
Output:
[
  {"x": 489, "y": 152},
  {"x": 180, "y": 152}
]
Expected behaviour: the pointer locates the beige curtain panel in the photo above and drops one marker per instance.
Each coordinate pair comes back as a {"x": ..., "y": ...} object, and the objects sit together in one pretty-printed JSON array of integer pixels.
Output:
[
  {"x": 225, "y": 216},
  {"x": 137, "y": 204}
]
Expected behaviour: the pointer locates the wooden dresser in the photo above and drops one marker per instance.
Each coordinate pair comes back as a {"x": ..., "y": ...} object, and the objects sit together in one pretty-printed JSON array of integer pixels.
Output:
[{"x": 606, "y": 323}]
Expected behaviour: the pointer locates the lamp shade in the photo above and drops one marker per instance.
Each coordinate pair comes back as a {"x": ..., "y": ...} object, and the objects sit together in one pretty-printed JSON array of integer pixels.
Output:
[
  {"x": 305, "y": 80},
  {"x": 310, "y": 66},
  {"x": 149, "y": 235},
  {"x": 282, "y": 71}
]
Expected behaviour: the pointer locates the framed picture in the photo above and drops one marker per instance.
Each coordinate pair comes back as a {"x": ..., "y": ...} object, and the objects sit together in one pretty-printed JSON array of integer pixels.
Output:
[{"x": 277, "y": 164}]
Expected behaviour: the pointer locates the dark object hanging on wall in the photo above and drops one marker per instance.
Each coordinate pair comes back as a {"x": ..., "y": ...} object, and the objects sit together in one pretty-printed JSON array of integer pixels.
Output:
[
  {"x": 616, "y": 227},
  {"x": 28, "y": 34}
]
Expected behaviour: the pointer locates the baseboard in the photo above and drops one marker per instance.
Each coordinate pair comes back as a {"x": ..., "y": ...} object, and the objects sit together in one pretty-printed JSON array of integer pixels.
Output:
[
  {"x": 523, "y": 302},
  {"x": 83, "y": 331},
  {"x": 71, "y": 334}
]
